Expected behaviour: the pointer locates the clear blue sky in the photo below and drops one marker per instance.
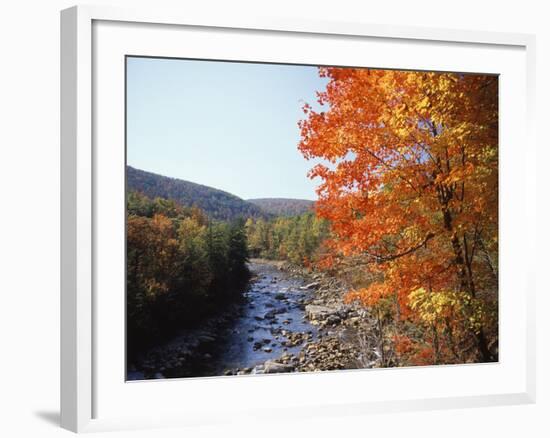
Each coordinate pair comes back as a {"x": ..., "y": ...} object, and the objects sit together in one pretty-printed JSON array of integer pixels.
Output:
[{"x": 232, "y": 126}]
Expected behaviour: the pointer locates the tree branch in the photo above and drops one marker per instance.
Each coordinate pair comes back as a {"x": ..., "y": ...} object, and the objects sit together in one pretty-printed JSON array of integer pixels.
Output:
[{"x": 387, "y": 258}]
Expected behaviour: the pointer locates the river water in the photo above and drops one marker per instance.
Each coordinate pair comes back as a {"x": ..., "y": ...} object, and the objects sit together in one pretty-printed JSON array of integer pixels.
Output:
[{"x": 274, "y": 307}]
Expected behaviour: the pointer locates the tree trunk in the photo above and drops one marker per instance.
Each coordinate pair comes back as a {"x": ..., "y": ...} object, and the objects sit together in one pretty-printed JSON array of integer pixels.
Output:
[
  {"x": 466, "y": 282},
  {"x": 483, "y": 347}
]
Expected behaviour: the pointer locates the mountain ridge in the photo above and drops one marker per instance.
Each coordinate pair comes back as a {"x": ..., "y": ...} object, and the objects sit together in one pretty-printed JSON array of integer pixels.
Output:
[{"x": 217, "y": 204}]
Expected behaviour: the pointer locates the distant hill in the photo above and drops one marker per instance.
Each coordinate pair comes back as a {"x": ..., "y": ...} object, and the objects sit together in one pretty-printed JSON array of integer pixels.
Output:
[
  {"x": 216, "y": 203},
  {"x": 283, "y": 206}
]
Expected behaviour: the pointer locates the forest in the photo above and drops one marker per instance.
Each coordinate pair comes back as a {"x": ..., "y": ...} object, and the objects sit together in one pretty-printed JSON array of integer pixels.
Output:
[
  {"x": 181, "y": 267},
  {"x": 406, "y": 218},
  {"x": 297, "y": 239},
  {"x": 283, "y": 206}
]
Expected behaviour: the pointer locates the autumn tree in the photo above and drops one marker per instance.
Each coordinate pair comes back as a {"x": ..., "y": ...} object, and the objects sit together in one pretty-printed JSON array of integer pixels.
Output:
[
  {"x": 181, "y": 267},
  {"x": 410, "y": 187},
  {"x": 297, "y": 239}
]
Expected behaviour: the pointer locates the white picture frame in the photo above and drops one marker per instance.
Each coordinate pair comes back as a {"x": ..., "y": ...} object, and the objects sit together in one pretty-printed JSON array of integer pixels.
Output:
[{"x": 85, "y": 374}]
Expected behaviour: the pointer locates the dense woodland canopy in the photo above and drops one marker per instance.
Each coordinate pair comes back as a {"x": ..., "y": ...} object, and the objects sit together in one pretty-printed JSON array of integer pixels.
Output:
[
  {"x": 297, "y": 239},
  {"x": 181, "y": 267},
  {"x": 283, "y": 206}
]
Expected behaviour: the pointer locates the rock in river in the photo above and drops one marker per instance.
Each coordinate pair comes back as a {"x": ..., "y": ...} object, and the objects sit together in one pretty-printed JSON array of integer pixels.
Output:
[
  {"x": 271, "y": 367},
  {"x": 310, "y": 286}
]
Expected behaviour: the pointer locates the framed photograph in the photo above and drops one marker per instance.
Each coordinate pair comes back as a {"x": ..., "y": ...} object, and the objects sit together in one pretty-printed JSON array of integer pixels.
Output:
[{"x": 283, "y": 217}]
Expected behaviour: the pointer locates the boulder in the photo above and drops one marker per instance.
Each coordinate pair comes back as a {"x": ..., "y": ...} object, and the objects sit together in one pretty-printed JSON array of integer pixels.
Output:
[
  {"x": 316, "y": 312},
  {"x": 206, "y": 338},
  {"x": 258, "y": 369},
  {"x": 272, "y": 366},
  {"x": 333, "y": 319},
  {"x": 313, "y": 285}
]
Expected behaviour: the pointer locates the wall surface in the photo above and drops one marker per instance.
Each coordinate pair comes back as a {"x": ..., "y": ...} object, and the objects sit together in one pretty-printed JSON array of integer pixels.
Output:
[{"x": 29, "y": 230}]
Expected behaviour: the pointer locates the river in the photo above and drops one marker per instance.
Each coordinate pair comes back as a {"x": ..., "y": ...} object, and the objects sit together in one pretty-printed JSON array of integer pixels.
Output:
[{"x": 263, "y": 326}]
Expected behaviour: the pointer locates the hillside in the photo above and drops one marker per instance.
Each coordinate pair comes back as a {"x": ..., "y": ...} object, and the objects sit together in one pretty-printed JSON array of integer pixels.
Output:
[
  {"x": 216, "y": 203},
  {"x": 283, "y": 206}
]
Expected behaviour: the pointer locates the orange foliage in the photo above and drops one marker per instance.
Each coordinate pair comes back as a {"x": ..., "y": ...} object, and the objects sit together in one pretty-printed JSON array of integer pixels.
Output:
[{"x": 410, "y": 180}]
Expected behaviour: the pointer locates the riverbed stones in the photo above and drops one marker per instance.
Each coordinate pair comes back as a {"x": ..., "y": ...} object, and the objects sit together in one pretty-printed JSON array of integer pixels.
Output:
[
  {"x": 327, "y": 354},
  {"x": 320, "y": 300},
  {"x": 295, "y": 339},
  {"x": 272, "y": 313}
]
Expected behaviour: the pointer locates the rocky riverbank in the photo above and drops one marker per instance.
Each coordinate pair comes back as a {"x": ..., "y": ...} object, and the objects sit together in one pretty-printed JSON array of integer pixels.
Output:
[
  {"x": 290, "y": 320},
  {"x": 341, "y": 330},
  {"x": 181, "y": 356}
]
